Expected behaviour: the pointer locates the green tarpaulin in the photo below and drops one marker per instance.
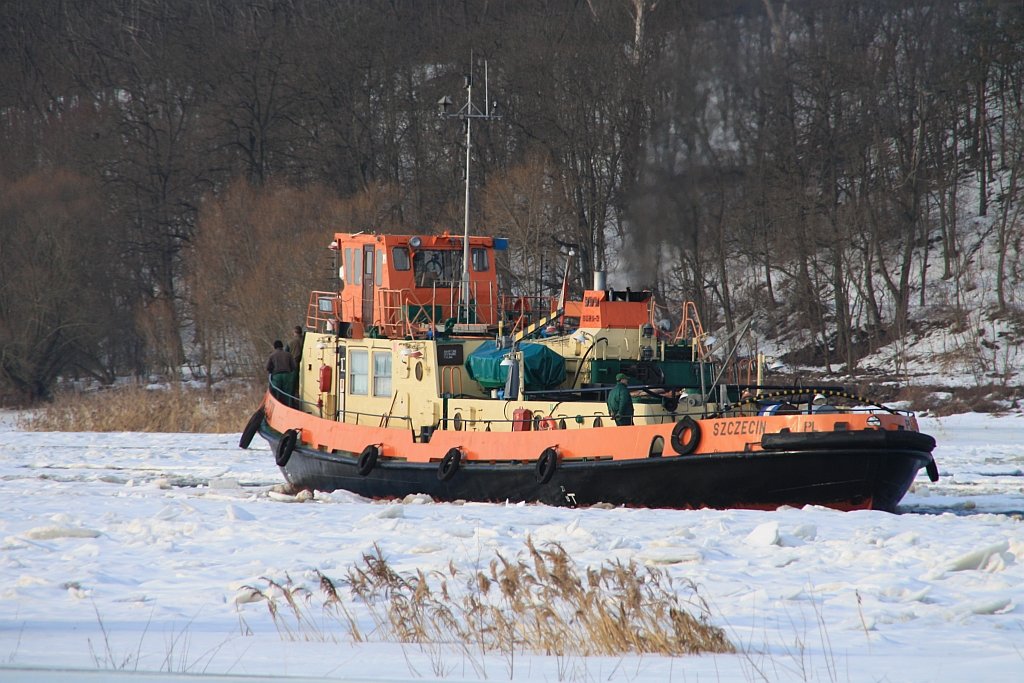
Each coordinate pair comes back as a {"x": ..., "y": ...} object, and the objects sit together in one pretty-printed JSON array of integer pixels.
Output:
[{"x": 542, "y": 367}]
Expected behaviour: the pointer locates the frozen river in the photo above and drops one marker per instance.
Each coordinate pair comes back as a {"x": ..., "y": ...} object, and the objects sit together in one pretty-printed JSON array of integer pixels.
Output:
[{"x": 135, "y": 551}]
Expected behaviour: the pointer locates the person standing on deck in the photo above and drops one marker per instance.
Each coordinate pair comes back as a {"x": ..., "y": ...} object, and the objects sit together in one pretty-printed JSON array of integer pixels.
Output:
[
  {"x": 295, "y": 348},
  {"x": 280, "y": 366},
  {"x": 620, "y": 403}
]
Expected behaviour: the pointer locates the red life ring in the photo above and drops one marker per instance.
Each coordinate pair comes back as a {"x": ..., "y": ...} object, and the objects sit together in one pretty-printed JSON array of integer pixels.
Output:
[
  {"x": 521, "y": 305},
  {"x": 547, "y": 423}
]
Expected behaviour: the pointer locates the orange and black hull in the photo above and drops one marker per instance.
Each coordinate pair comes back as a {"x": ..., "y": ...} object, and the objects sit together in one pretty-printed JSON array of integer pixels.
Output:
[{"x": 867, "y": 469}]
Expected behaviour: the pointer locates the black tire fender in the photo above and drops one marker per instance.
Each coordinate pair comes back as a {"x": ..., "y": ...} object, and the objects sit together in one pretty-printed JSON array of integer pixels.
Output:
[
  {"x": 285, "y": 447},
  {"x": 547, "y": 463},
  {"x": 367, "y": 459},
  {"x": 685, "y": 435},
  {"x": 932, "y": 468},
  {"x": 449, "y": 464},
  {"x": 251, "y": 427}
]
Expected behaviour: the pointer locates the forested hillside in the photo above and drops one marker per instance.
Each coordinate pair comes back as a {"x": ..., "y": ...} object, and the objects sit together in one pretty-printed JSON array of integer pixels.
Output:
[{"x": 172, "y": 170}]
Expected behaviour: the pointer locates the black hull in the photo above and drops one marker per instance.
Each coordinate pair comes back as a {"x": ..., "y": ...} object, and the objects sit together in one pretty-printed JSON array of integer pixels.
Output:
[{"x": 850, "y": 478}]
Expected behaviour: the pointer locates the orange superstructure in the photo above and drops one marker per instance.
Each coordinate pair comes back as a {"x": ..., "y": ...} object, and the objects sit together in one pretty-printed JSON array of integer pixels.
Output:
[
  {"x": 610, "y": 309},
  {"x": 397, "y": 284},
  {"x": 401, "y": 285}
]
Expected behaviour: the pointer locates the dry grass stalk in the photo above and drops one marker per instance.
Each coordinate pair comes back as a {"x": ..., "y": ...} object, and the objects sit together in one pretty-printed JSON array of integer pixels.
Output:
[
  {"x": 542, "y": 604},
  {"x": 293, "y": 623},
  {"x": 138, "y": 409}
]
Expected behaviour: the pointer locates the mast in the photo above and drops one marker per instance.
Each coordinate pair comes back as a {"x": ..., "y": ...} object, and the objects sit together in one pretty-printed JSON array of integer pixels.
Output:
[{"x": 467, "y": 113}]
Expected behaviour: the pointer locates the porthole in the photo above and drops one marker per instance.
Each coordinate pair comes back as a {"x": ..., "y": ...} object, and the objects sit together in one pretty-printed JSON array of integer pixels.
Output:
[
  {"x": 457, "y": 422},
  {"x": 419, "y": 371}
]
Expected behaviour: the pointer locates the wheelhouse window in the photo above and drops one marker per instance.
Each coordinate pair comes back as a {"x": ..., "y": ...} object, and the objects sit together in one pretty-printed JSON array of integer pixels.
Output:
[
  {"x": 380, "y": 267},
  {"x": 479, "y": 259},
  {"x": 351, "y": 272},
  {"x": 400, "y": 258},
  {"x": 440, "y": 267},
  {"x": 354, "y": 266},
  {"x": 358, "y": 372},
  {"x": 382, "y": 373},
  {"x": 368, "y": 265}
]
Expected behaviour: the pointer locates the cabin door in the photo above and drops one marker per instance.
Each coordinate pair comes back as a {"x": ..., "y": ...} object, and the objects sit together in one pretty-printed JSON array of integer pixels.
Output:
[
  {"x": 341, "y": 363},
  {"x": 368, "y": 281}
]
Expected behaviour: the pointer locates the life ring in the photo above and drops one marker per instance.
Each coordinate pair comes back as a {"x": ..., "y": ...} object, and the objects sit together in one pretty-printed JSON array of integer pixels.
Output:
[
  {"x": 547, "y": 424},
  {"x": 521, "y": 306},
  {"x": 285, "y": 447},
  {"x": 546, "y": 464},
  {"x": 688, "y": 427},
  {"x": 367, "y": 460},
  {"x": 251, "y": 428},
  {"x": 449, "y": 464}
]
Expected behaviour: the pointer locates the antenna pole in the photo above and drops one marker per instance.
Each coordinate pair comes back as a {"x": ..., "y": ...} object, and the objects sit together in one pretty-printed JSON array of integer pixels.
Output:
[
  {"x": 465, "y": 230},
  {"x": 467, "y": 113}
]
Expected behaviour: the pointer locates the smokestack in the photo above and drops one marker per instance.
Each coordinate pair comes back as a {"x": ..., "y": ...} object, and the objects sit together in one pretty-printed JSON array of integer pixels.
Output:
[{"x": 599, "y": 281}]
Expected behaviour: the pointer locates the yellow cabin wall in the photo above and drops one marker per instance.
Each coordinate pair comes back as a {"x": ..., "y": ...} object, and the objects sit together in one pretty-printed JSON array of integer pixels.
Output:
[{"x": 418, "y": 395}]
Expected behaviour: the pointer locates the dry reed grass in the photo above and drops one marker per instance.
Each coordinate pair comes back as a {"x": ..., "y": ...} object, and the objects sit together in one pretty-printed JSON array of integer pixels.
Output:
[
  {"x": 540, "y": 604},
  {"x": 138, "y": 409}
]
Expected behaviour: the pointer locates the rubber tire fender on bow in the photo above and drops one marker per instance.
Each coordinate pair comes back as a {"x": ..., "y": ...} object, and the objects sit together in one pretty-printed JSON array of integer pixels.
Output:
[
  {"x": 449, "y": 464},
  {"x": 689, "y": 428},
  {"x": 546, "y": 465},
  {"x": 367, "y": 460},
  {"x": 285, "y": 447},
  {"x": 251, "y": 427}
]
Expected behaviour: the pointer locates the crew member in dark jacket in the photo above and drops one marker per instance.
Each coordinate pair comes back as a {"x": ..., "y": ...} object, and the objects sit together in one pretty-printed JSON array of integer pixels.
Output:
[
  {"x": 620, "y": 403},
  {"x": 281, "y": 365},
  {"x": 295, "y": 348}
]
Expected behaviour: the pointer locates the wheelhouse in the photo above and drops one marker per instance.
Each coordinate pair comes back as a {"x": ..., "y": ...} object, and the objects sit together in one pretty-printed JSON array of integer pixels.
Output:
[{"x": 406, "y": 286}]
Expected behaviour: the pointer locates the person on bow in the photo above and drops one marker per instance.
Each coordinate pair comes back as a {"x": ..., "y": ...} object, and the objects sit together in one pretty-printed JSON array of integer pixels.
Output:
[
  {"x": 295, "y": 348},
  {"x": 620, "y": 402},
  {"x": 280, "y": 367}
]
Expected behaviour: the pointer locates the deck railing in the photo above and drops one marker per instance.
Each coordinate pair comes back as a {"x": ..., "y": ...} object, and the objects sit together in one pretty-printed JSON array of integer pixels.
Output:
[{"x": 323, "y": 311}]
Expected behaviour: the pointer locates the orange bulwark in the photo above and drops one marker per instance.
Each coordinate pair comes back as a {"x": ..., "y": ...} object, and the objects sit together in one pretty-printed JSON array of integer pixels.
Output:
[{"x": 724, "y": 435}]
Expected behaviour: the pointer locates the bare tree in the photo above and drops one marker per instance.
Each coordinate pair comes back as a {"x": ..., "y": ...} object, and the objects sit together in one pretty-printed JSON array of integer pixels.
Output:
[{"x": 55, "y": 310}]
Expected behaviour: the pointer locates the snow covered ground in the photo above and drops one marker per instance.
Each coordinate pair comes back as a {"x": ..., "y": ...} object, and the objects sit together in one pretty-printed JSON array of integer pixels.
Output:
[{"x": 131, "y": 551}]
